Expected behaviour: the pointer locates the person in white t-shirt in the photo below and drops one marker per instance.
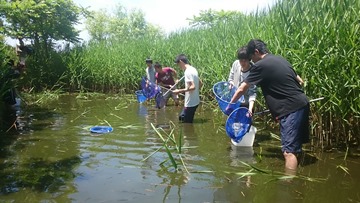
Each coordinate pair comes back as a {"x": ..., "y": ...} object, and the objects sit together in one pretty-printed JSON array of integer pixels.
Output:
[
  {"x": 150, "y": 71},
  {"x": 239, "y": 71},
  {"x": 192, "y": 89}
]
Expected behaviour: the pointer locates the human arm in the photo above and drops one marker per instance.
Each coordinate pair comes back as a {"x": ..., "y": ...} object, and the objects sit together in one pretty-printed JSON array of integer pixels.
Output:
[
  {"x": 244, "y": 86},
  {"x": 231, "y": 77},
  {"x": 300, "y": 80},
  {"x": 190, "y": 86},
  {"x": 251, "y": 106},
  {"x": 252, "y": 97}
]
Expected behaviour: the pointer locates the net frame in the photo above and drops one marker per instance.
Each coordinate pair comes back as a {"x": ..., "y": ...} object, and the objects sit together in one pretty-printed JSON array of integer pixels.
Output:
[
  {"x": 223, "y": 95},
  {"x": 238, "y": 124}
]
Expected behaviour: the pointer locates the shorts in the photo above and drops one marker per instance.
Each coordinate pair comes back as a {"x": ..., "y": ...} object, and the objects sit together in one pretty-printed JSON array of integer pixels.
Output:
[
  {"x": 294, "y": 130},
  {"x": 187, "y": 114}
]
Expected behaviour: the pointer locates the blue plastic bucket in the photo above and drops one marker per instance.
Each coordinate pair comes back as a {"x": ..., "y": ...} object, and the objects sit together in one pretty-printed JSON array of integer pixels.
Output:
[
  {"x": 140, "y": 96},
  {"x": 101, "y": 129},
  {"x": 238, "y": 124},
  {"x": 223, "y": 96}
]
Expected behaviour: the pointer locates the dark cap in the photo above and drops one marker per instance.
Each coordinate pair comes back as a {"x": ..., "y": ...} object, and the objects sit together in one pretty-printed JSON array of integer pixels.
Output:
[
  {"x": 148, "y": 60},
  {"x": 181, "y": 57}
]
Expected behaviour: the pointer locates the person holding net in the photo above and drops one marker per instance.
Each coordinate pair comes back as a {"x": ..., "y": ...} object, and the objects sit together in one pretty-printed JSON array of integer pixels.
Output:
[
  {"x": 191, "y": 90},
  {"x": 286, "y": 100},
  {"x": 166, "y": 78},
  {"x": 238, "y": 72}
]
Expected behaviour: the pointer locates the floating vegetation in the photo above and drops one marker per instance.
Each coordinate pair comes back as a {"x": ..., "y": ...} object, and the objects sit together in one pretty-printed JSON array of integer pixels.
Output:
[
  {"x": 130, "y": 127},
  {"x": 274, "y": 175},
  {"x": 345, "y": 169}
]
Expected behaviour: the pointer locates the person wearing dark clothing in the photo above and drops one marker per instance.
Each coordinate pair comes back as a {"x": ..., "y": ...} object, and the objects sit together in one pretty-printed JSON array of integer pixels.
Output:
[{"x": 284, "y": 97}]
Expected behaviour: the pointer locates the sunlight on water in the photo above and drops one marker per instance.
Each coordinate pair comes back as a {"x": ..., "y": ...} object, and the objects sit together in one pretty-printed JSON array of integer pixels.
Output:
[{"x": 56, "y": 158}]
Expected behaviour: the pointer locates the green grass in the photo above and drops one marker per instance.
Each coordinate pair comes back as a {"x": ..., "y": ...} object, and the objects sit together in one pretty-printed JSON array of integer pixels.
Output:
[{"x": 320, "y": 38}]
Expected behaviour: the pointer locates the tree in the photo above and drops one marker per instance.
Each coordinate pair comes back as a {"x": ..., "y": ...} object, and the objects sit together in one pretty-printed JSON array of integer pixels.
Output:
[
  {"x": 209, "y": 18},
  {"x": 41, "y": 21},
  {"x": 120, "y": 25}
]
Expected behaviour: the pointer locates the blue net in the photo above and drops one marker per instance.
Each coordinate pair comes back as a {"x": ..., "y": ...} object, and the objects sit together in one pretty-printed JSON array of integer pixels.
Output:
[
  {"x": 223, "y": 94},
  {"x": 238, "y": 124},
  {"x": 149, "y": 89},
  {"x": 160, "y": 100},
  {"x": 140, "y": 96}
]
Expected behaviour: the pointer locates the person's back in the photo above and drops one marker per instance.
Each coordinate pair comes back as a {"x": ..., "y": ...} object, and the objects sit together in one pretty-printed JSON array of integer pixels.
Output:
[
  {"x": 279, "y": 85},
  {"x": 286, "y": 100},
  {"x": 150, "y": 71},
  {"x": 192, "y": 98}
]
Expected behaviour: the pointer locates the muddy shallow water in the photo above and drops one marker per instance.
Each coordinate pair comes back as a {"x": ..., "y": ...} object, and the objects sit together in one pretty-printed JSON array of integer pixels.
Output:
[{"x": 53, "y": 157}]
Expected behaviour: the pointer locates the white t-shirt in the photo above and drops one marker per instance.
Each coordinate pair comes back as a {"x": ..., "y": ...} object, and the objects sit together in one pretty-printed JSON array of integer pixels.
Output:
[
  {"x": 150, "y": 74},
  {"x": 191, "y": 97}
]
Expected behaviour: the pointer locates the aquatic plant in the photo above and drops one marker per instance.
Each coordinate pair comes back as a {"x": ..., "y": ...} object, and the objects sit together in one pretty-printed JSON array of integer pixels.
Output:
[
  {"x": 320, "y": 38},
  {"x": 171, "y": 145}
]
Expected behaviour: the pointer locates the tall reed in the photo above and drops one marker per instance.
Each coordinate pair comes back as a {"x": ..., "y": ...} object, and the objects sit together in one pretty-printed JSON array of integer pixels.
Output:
[{"x": 320, "y": 38}]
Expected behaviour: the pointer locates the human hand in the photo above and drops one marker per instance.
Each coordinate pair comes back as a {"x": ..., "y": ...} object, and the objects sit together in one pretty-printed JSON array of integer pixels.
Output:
[
  {"x": 176, "y": 91},
  {"x": 249, "y": 114},
  {"x": 228, "y": 110}
]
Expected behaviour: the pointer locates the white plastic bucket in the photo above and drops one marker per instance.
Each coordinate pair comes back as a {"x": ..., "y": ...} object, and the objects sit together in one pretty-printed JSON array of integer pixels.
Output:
[{"x": 248, "y": 139}]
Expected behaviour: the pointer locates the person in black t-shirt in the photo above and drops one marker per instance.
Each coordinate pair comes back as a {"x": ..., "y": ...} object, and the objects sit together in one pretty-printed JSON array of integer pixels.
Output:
[{"x": 284, "y": 97}]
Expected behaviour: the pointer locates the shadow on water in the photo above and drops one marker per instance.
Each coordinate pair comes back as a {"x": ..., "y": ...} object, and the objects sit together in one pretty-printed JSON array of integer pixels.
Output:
[
  {"x": 37, "y": 174},
  {"x": 29, "y": 173},
  {"x": 16, "y": 122}
]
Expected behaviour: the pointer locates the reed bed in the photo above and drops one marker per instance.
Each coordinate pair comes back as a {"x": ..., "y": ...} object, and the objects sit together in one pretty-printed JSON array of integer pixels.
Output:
[{"x": 320, "y": 38}]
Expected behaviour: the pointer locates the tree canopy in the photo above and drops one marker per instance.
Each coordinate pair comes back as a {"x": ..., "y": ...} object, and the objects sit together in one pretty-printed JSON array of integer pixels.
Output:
[
  {"x": 120, "y": 25},
  {"x": 41, "y": 20},
  {"x": 209, "y": 18}
]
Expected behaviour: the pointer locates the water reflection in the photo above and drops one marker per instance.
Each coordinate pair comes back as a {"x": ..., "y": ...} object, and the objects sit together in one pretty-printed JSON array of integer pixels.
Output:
[
  {"x": 59, "y": 161},
  {"x": 142, "y": 110},
  {"x": 172, "y": 183},
  {"x": 241, "y": 154}
]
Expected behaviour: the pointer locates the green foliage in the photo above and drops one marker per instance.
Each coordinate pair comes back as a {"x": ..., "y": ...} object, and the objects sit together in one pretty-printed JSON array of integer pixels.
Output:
[
  {"x": 210, "y": 18},
  {"x": 41, "y": 19},
  {"x": 120, "y": 25},
  {"x": 42, "y": 22},
  {"x": 6, "y": 53},
  {"x": 319, "y": 38}
]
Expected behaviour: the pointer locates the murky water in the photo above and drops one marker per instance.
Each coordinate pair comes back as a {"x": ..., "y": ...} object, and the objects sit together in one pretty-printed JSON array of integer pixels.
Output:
[{"x": 54, "y": 158}]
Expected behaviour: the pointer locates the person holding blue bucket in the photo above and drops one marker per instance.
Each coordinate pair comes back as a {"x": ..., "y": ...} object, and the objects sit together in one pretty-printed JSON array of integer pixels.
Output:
[
  {"x": 239, "y": 71},
  {"x": 286, "y": 100}
]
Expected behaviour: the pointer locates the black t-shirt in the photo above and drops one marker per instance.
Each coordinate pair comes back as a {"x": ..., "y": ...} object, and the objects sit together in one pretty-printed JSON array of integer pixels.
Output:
[{"x": 277, "y": 79}]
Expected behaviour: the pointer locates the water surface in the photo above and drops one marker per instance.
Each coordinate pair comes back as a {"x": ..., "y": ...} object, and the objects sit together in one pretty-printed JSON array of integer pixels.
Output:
[{"x": 54, "y": 158}]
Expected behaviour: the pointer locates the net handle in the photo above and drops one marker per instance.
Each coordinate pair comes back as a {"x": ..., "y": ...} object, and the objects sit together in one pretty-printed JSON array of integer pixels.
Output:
[
  {"x": 166, "y": 88},
  {"x": 312, "y": 100},
  {"x": 174, "y": 85}
]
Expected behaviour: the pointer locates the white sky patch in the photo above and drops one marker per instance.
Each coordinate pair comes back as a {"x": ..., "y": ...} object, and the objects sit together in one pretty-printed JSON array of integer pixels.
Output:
[{"x": 171, "y": 15}]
